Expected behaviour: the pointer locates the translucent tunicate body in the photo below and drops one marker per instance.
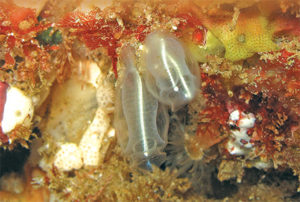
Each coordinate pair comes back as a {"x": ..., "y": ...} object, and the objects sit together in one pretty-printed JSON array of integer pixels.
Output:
[
  {"x": 141, "y": 141},
  {"x": 169, "y": 75},
  {"x": 163, "y": 121}
]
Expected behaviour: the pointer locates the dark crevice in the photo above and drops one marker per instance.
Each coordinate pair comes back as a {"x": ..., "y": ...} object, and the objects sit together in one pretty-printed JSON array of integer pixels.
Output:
[{"x": 14, "y": 160}]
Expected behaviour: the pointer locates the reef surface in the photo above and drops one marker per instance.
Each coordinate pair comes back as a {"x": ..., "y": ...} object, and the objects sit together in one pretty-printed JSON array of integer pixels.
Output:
[{"x": 150, "y": 100}]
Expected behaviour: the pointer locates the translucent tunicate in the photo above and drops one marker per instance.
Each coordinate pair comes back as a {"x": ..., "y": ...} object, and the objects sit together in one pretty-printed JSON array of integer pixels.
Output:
[
  {"x": 141, "y": 141},
  {"x": 170, "y": 75},
  {"x": 163, "y": 121}
]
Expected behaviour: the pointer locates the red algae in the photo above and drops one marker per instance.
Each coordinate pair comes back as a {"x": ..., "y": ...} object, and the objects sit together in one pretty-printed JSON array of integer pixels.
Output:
[
  {"x": 191, "y": 27},
  {"x": 20, "y": 26},
  {"x": 12, "y": 16},
  {"x": 95, "y": 30},
  {"x": 272, "y": 96},
  {"x": 278, "y": 78},
  {"x": 286, "y": 25},
  {"x": 276, "y": 88}
]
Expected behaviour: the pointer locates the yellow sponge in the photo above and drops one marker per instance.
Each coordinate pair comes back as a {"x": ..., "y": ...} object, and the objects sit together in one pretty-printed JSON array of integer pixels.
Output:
[{"x": 252, "y": 33}]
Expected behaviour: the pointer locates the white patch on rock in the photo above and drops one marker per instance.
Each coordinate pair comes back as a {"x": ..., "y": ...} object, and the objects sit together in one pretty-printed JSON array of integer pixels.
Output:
[
  {"x": 68, "y": 157},
  {"x": 235, "y": 115},
  {"x": 17, "y": 108},
  {"x": 239, "y": 143},
  {"x": 91, "y": 141}
]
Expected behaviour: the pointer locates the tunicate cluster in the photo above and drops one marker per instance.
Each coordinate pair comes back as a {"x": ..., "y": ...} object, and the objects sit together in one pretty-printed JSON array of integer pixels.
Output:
[{"x": 161, "y": 80}]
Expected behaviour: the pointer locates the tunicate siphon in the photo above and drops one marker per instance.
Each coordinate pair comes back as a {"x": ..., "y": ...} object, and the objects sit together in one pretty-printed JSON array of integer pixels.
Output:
[
  {"x": 136, "y": 116},
  {"x": 170, "y": 73}
]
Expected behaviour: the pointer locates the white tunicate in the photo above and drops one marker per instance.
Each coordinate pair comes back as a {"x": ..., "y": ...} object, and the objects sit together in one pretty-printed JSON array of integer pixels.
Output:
[
  {"x": 169, "y": 74},
  {"x": 144, "y": 144}
]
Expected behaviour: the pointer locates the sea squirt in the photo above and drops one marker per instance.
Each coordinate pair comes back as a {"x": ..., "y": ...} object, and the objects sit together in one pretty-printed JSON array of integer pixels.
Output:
[
  {"x": 170, "y": 75},
  {"x": 139, "y": 108}
]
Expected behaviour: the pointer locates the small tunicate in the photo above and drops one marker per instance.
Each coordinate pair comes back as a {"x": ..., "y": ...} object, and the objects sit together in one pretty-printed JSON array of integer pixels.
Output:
[
  {"x": 141, "y": 141},
  {"x": 170, "y": 75}
]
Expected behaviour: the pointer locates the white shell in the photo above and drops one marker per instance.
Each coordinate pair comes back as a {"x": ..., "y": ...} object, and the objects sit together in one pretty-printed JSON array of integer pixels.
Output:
[{"x": 17, "y": 108}]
